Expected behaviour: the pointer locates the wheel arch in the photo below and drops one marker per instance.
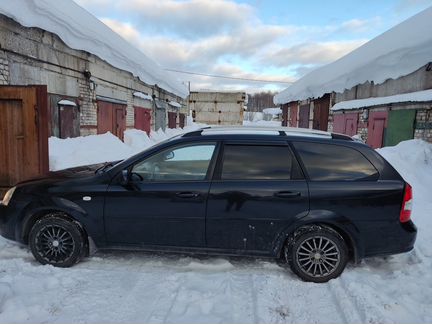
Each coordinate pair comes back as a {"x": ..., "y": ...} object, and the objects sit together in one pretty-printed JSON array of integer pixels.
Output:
[
  {"x": 341, "y": 225},
  {"x": 36, "y": 214}
]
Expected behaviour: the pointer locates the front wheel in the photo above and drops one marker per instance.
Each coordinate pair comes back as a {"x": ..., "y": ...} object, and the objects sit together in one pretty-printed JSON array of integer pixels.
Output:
[
  {"x": 57, "y": 241},
  {"x": 317, "y": 253}
]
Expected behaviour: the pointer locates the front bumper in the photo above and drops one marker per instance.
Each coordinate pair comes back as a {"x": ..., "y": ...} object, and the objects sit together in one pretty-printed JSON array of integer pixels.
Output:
[{"x": 8, "y": 221}]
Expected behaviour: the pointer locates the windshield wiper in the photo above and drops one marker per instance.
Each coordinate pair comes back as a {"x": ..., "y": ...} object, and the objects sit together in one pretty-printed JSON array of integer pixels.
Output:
[{"x": 105, "y": 166}]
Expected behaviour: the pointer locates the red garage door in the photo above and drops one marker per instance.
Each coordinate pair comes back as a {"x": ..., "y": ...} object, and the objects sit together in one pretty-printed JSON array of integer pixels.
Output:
[
  {"x": 376, "y": 129},
  {"x": 172, "y": 119},
  {"x": 142, "y": 119},
  {"x": 111, "y": 118},
  {"x": 345, "y": 123}
]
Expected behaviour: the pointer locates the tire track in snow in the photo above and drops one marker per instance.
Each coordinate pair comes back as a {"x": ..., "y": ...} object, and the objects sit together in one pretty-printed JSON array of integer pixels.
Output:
[
  {"x": 254, "y": 299},
  {"x": 172, "y": 303}
]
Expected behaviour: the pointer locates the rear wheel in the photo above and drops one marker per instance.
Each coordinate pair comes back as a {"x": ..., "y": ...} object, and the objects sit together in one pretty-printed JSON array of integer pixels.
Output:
[
  {"x": 57, "y": 241},
  {"x": 317, "y": 253}
]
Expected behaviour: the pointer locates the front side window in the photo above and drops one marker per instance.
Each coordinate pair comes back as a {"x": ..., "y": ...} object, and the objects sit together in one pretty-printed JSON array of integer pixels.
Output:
[
  {"x": 329, "y": 162},
  {"x": 181, "y": 163},
  {"x": 256, "y": 162}
]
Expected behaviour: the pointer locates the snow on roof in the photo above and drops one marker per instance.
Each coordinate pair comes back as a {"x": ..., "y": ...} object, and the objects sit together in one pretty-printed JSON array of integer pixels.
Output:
[
  {"x": 65, "y": 102},
  {"x": 418, "y": 96},
  {"x": 397, "y": 52},
  {"x": 272, "y": 111},
  {"x": 82, "y": 31},
  {"x": 174, "y": 104},
  {"x": 142, "y": 96}
]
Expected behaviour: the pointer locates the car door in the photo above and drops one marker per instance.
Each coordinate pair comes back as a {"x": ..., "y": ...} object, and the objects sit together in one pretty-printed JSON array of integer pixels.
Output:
[
  {"x": 258, "y": 190},
  {"x": 164, "y": 201}
]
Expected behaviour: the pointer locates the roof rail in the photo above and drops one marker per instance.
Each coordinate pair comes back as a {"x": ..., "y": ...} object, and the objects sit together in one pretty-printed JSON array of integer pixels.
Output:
[
  {"x": 282, "y": 131},
  {"x": 196, "y": 132},
  {"x": 341, "y": 137}
]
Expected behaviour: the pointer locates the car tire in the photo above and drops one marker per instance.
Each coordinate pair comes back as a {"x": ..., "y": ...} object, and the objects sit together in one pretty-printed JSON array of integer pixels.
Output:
[
  {"x": 58, "y": 241},
  {"x": 316, "y": 253}
]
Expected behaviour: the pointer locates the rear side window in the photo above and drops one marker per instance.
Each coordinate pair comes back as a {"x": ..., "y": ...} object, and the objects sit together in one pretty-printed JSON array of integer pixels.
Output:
[
  {"x": 328, "y": 162},
  {"x": 258, "y": 162}
]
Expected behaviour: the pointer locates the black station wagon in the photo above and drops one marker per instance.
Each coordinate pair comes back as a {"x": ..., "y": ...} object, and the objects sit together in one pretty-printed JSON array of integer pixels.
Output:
[{"x": 313, "y": 199}]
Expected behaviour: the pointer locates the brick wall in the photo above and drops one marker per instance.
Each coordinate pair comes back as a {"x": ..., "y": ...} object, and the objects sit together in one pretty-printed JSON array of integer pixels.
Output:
[
  {"x": 424, "y": 125},
  {"x": 4, "y": 69}
]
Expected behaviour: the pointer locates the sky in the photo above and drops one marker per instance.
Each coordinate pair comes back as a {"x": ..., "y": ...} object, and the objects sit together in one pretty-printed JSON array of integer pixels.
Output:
[{"x": 274, "y": 42}]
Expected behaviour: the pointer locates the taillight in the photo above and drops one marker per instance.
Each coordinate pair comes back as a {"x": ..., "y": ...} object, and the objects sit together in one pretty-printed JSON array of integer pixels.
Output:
[{"x": 405, "y": 214}]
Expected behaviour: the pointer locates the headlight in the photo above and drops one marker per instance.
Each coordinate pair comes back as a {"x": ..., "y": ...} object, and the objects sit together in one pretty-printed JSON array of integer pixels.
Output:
[{"x": 7, "y": 197}]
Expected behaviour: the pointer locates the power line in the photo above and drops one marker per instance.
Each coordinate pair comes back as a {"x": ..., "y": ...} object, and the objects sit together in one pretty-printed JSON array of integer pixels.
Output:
[{"x": 228, "y": 77}]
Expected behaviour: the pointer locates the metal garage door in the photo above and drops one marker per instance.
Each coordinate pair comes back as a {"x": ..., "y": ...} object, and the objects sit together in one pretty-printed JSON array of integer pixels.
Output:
[
  {"x": 400, "y": 126},
  {"x": 160, "y": 114},
  {"x": 111, "y": 117},
  {"x": 304, "y": 116},
  {"x": 143, "y": 119},
  {"x": 376, "y": 128},
  {"x": 172, "y": 119}
]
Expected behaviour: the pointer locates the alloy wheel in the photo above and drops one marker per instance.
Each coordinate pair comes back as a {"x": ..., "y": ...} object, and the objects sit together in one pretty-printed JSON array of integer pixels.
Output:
[
  {"x": 318, "y": 256},
  {"x": 54, "y": 243}
]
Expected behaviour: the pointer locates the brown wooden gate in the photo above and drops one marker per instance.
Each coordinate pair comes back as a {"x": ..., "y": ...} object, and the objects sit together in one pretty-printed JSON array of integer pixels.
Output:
[
  {"x": 63, "y": 119},
  {"x": 321, "y": 113},
  {"x": 142, "y": 119},
  {"x": 285, "y": 109},
  {"x": 23, "y": 134},
  {"x": 294, "y": 113},
  {"x": 172, "y": 119},
  {"x": 376, "y": 128},
  {"x": 111, "y": 118},
  {"x": 304, "y": 116}
]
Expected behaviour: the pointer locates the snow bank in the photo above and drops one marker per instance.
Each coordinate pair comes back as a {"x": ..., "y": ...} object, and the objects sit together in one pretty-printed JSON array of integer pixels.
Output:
[
  {"x": 413, "y": 160},
  {"x": 397, "y": 52},
  {"x": 272, "y": 111},
  {"x": 92, "y": 149},
  {"x": 70, "y": 152},
  {"x": 418, "y": 96},
  {"x": 82, "y": 31},
  {"x": 262, "y": 123}
]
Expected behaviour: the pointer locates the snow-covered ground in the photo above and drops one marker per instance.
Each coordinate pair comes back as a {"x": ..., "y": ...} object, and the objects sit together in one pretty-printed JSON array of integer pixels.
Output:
[{"x": 161, "y": 288}]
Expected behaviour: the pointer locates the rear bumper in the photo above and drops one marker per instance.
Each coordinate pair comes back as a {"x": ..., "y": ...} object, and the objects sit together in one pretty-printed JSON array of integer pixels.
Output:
[{"x": 401, "y": 239}]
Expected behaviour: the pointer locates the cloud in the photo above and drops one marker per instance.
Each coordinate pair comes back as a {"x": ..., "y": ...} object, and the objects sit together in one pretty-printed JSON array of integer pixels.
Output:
[
  {"x": 311, "y": 53},
  {"x": 226, "y": 38},
  {"x": 359, "y": 25},
  {"x": 171, "y": 50},
  {"x": 187, "y": 19}
]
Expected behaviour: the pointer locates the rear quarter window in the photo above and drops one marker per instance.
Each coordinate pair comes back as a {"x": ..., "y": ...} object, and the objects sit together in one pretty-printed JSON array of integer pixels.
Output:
[{"x": 332, "y": 162}]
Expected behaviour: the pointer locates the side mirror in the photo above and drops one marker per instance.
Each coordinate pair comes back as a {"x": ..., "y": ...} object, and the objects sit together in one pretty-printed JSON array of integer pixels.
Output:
[
  {"x": 124, "y": 180},
  {"x": 169, "y": 156}
]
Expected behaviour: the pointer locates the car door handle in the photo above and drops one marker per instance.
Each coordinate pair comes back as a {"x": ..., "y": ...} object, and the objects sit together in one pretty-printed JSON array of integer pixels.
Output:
[
  {"x": 287, "y": 194},
  {"x": 187, "y": 194}
]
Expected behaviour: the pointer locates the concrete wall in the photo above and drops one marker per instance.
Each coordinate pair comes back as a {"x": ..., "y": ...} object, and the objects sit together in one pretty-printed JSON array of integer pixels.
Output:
[
  {"x": 217, "y": 108},
  {"x": 34, "y": 56},
  {"x": 418, "y": 80}
]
